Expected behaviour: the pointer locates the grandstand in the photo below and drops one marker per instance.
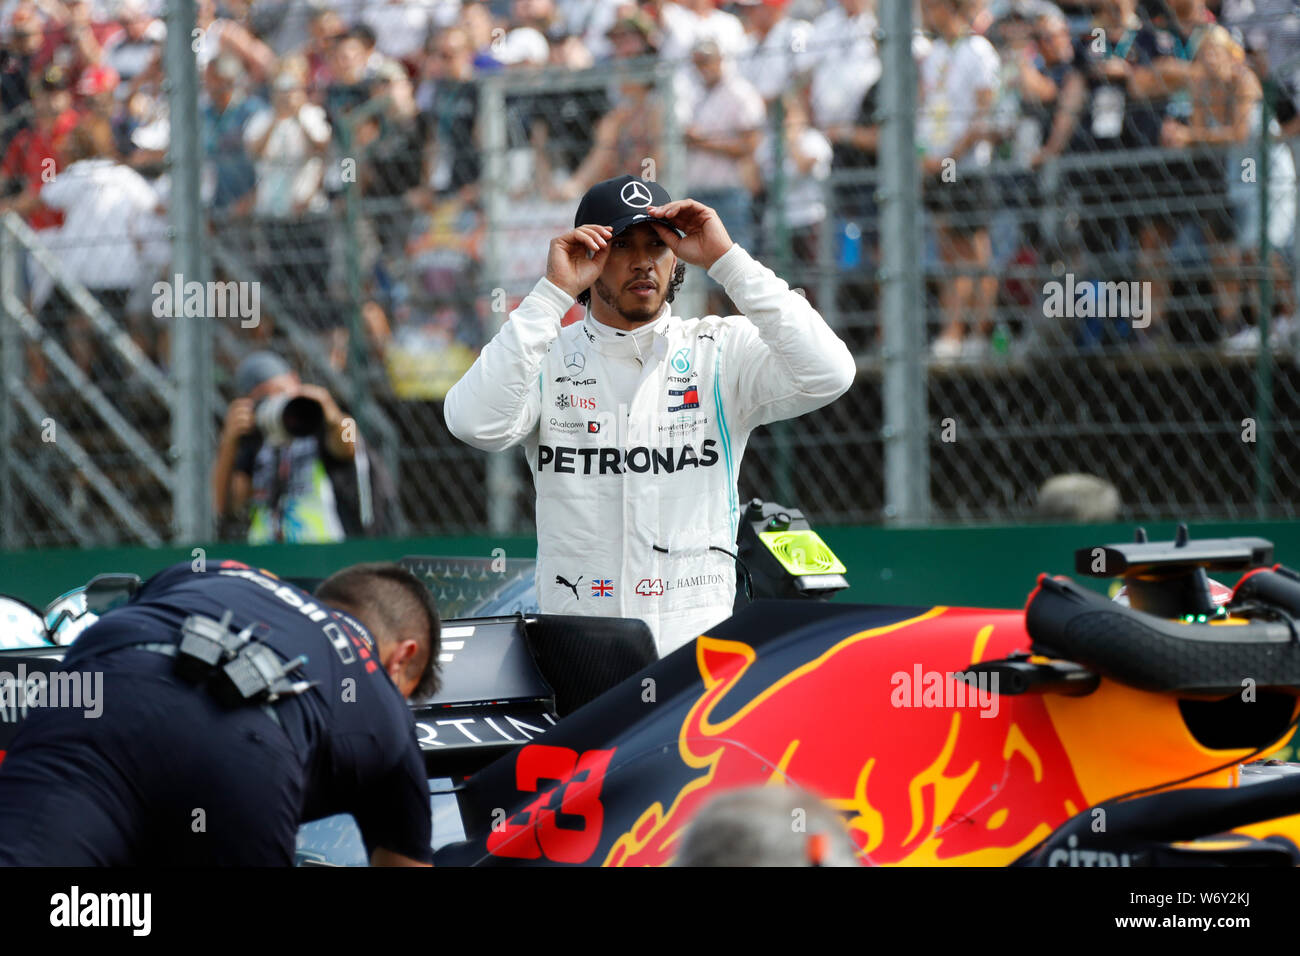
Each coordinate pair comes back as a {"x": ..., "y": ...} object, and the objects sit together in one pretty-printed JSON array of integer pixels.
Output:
[{"x": 1102, "y": 269}]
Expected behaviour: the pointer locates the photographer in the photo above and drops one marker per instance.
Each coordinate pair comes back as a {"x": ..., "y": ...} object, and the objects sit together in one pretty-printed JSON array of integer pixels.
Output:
[{"x": 290, "y": 463}]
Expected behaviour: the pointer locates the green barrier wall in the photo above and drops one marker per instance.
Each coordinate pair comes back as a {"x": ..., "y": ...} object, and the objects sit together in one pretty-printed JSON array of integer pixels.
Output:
[{"x": 980, "y": 566}]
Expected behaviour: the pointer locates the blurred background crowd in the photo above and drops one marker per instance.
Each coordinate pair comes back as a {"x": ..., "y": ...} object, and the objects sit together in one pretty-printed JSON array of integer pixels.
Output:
[
  {"x": 291, "y": 90},
  {"x": 395, "y": 168}
]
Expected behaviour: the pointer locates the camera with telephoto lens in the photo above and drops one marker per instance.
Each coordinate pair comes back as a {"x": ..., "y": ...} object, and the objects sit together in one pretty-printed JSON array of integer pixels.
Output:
[{"x": 282, "y": 418}]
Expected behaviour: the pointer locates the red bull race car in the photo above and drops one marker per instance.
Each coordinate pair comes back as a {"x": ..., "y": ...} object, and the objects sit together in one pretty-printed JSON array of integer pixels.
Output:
[{"x": 1077, "y": 731}]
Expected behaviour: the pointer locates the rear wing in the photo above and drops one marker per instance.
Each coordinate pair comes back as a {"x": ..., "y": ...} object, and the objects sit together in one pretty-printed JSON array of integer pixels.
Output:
[
  {"x": 1170, "y": 578},
  {"x": 1169, "y": 558}
]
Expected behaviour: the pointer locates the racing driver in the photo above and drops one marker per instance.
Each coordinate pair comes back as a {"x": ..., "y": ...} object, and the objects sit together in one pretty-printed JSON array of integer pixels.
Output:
[{"x": 634, "y": 420}]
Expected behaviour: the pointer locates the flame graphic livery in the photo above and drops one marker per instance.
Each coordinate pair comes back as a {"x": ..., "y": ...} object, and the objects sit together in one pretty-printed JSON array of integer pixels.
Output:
[{"x": 918, "y": 785}]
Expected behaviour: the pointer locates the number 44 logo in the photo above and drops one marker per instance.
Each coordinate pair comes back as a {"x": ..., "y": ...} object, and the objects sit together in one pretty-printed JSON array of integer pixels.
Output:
[{"x": 650, "y": 587}]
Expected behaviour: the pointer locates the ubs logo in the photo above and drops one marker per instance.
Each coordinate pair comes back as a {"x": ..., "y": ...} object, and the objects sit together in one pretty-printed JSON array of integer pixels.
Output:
[{"x": 575, "y": 401}]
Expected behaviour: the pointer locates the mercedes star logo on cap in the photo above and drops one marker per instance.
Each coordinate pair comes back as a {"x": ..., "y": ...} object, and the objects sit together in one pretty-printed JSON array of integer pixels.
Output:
[
  {"x": 621, "y": 202},
  {"x": 636, "y": 195}
]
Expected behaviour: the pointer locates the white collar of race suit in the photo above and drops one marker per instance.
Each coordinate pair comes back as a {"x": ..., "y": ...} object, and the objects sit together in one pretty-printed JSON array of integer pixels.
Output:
[{"x": 639, "y": 344}]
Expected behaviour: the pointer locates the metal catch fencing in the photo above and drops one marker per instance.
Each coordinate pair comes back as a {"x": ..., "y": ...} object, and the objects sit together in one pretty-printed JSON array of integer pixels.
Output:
[{"x": 1123, "y": 312}]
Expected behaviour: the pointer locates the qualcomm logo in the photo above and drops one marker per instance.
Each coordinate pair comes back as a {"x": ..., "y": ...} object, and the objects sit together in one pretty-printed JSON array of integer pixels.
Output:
[{"x": 681, "y": 361}]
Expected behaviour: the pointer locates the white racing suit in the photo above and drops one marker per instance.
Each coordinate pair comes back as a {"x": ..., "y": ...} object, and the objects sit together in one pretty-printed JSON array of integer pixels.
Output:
[{"x": 633, "y": 498}]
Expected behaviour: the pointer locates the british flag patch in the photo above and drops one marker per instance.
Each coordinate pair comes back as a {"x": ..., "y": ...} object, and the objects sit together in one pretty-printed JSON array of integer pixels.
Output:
[{"x": 602, "y": 587}]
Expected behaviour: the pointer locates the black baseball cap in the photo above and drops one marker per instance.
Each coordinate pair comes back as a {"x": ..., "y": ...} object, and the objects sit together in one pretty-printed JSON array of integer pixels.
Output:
[{"x": 620, "y": 202}]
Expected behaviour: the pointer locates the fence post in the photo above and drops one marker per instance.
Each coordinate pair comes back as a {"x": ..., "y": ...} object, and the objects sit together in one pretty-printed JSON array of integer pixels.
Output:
[
  {"x": 192, "y": 339},
  {"x": 828, "y": 274},
  {"x": 356, "y": 351},
  {"x": 502, "y": 470},
  {"x": 905, "y": 431},
  {"x": 691, "y": 299},
  {"x": 1264, "y": 359},
  {"x": 10, "y": 371},
  {"x": 782, "y": 432}
]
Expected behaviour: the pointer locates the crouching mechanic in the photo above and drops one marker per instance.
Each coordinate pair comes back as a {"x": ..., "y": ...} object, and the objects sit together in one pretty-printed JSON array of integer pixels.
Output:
[
  {"x": 634, "y": 420},
  {"x": 181, "y": 769}
]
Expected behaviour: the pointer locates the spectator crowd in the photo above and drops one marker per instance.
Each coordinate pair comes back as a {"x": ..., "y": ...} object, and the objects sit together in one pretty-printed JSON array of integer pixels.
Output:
[{"x": 1149, "y": 113}]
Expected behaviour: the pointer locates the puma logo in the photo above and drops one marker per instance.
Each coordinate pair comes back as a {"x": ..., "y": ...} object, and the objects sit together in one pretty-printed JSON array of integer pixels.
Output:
[
  {"x": 706, "y": 335},
  {"x": 572, "y": 587}
]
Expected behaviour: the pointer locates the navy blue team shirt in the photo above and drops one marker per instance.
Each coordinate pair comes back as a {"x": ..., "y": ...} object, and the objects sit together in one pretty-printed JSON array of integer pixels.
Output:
[{"x": 353, "y": 729}]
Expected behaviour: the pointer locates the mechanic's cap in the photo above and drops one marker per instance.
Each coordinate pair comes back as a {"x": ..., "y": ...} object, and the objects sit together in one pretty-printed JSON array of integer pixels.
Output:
[
  {"x": 258, "y": 367},
  {"x": 620, "y": 202}
]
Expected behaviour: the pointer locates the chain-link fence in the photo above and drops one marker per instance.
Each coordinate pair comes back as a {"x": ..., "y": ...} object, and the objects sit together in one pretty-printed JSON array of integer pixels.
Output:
[{"x": 1104, "y": 253}]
